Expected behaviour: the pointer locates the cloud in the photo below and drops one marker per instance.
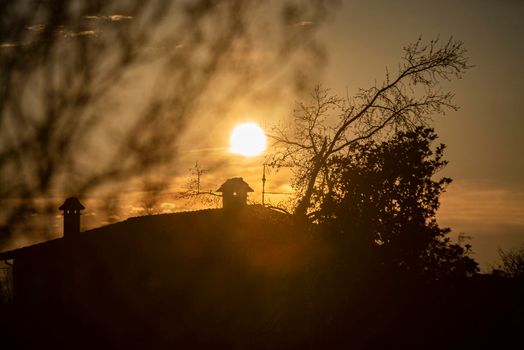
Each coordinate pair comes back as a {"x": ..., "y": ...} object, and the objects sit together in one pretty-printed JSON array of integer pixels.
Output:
[
  {"x": 39, "y": 28},
  {"x": 482, "y": 205},
  {"x": 491, "y": 215},
  {"x": 78, "y": 34},
  {"x": 7, "y": 45},
  {"x": 112, "y": 18},
  {"x": 36, "y": 28},
  {"x": 116, "y": 18},
  {"x": 304, "y": 24},
  {"x": 167, "y": 207}
]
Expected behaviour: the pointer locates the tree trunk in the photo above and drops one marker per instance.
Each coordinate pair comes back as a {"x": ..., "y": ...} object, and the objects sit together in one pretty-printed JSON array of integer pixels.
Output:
[{"x": 305, "y": 201}]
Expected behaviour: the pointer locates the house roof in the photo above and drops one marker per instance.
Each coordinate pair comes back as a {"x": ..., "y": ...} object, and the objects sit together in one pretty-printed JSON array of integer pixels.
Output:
[
  {"x": 235, "y": 184},
  {"x": 205, "y": 223}
]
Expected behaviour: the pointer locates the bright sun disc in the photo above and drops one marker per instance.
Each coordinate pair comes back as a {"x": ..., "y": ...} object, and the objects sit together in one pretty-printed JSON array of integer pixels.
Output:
[{"x": 247, "y": 139}]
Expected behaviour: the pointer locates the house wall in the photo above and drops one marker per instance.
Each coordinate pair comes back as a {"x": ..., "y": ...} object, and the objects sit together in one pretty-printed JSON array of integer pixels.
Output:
[{"x": 223, "y": 275}]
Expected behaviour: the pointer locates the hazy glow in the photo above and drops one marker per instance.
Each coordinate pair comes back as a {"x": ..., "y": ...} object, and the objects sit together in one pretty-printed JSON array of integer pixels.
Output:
[{"x": 247, "y": 139}]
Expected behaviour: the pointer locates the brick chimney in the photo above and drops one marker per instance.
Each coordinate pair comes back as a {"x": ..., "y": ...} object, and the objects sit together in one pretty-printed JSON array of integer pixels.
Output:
[{"x": 71, "y": 208}]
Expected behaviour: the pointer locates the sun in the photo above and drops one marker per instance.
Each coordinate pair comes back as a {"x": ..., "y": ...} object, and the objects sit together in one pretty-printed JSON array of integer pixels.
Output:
[{"x": 247, "y": 139}]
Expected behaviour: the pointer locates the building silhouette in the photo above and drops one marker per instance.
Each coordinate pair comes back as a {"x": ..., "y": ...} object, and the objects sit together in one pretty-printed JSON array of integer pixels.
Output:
[
  {"x": 234, "y": 193},
  {"x": 239, "y": 277},
  {"x": 71, "y": 209},
  {"x": 190, "y": 279}
]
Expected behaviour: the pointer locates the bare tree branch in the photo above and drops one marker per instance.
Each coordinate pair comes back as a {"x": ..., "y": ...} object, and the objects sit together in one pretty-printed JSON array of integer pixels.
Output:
[{"x": 403, "y": 102}]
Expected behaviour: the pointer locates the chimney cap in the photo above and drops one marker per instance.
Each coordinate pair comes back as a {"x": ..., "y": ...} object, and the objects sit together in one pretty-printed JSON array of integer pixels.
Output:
[
  {"x": 71, "y": 203},
  {"x": 236, "y": 184}
]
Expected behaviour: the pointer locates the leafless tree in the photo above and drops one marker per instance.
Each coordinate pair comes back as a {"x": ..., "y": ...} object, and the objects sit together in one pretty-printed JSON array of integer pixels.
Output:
[
  {"x": 94, "y": 93},
  {"x": 194, "y": 192},
  {"x": 512, "y": 262},
  {"x": 327, "y": 126}
]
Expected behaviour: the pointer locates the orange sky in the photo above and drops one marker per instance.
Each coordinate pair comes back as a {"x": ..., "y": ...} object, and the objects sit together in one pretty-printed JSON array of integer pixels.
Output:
[
  {"x": 486, "y": 198},
  {"x": 361, "y": 39}
]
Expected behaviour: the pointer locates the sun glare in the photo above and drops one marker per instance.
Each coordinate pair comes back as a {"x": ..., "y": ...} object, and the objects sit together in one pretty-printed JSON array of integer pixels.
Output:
[{"x": 248, "y": 140}]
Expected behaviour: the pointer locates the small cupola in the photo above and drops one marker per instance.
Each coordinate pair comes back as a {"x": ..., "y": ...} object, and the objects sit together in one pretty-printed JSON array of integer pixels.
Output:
[
  {"x": 71, "y": 208},
  {"x": 234, "y": 193}
]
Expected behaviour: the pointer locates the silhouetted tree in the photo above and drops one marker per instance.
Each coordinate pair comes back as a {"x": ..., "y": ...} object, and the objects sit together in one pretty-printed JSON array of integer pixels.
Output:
[
  {"x": 512, "y": 262},
  {"x": 94, "y": 93},
  {"x": 194, "y": 191},
  {"x": 328, "y": 126},
  {"x": 382, "y": 202}
]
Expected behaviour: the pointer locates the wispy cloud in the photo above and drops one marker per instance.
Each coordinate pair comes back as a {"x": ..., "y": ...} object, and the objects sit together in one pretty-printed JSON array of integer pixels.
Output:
[
  {"x": 482, "y": 204},
  {"x": 69, "y": 34},
  {"x": 492, "y": 216},
  {"x": 304, "y": 24},
  {"x": 112, "y": 18},
  {"x": 7, "y": 45},
  {"x": 38, "y": 28}
]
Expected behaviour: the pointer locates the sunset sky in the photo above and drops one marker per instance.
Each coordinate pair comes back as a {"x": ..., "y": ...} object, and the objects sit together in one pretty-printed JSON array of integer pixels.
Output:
[
  {"x": 484, "y": 138},
  {"x": 486, "y": 199},
  {"x": 484, "y": 143},
  {"x": 352, "y": 49}
]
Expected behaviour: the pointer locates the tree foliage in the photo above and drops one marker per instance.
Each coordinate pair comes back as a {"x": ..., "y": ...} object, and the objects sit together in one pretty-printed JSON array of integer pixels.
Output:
[
  {"x": 328, "y": 126},
  {"x": 383, "y": 202}
]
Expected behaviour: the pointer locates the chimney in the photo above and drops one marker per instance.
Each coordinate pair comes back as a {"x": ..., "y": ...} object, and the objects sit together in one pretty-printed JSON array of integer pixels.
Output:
[
  {"x": 234, "y": 193},
  {"x": 71, "y": 208}
]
